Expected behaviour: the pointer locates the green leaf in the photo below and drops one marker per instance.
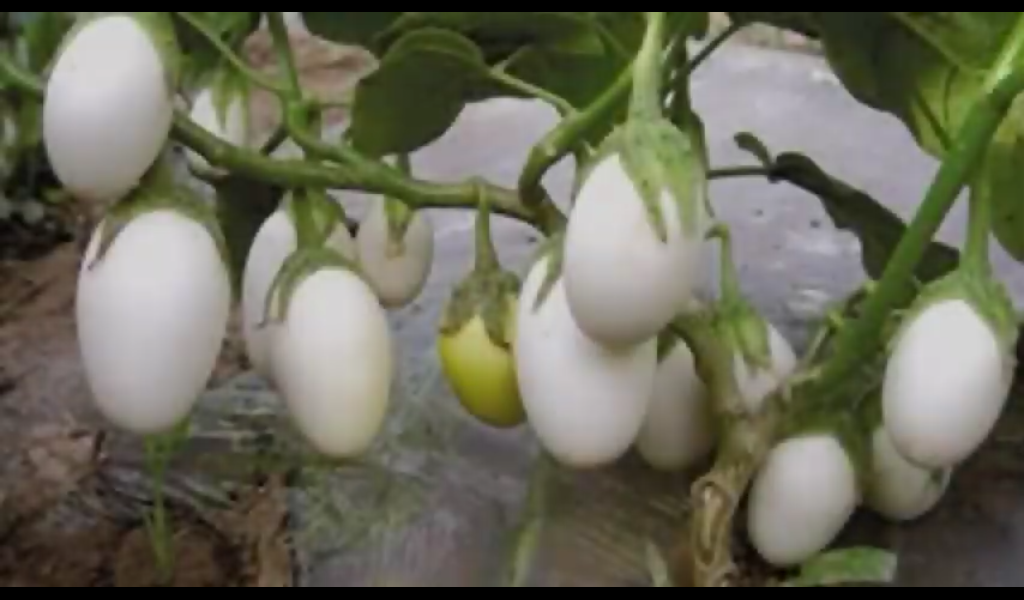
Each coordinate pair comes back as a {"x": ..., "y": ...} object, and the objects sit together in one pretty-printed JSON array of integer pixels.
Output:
[
  {"x": 418, "y": 92},
  {"x": 943, "y": 61},
  {"x": 351, "y": 28},
  {"x": 878, "y": 228},
  {"x": 501, "y": 34},
  {"x": 844, "y": 567}
]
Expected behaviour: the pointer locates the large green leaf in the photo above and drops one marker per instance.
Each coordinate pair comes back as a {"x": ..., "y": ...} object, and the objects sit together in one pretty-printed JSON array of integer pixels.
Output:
[
  {"x": 928, "y": 69},
  {"x": 417, "y": 93}
]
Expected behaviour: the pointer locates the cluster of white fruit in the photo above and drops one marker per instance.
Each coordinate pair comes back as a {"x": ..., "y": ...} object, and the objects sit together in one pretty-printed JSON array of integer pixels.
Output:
[{"x": 153, "y": 308}]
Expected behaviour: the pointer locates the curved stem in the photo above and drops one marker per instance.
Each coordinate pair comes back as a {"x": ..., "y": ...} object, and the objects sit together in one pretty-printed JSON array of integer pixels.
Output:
[
  {"x": 739, "y": 172},
  {"x": 707, "y": 51},
  {"x": 486, "y": 255},
  {"x": 568, "y": 135},
  {"x": 236, "y": 61},
  {"x": 524, "y": 87},
  {"x": 731, "y": 291}
]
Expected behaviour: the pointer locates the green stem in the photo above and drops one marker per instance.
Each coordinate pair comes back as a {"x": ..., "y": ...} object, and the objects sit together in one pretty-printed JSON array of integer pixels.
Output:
[
  {"x": 486, "y": 255},
  {"x": 1008, "y": 65},
  {"x": 647, "y": 73},
  {"x": 282, "y": 43},
  {"x": 252, "y": 74},
  {"x": 730, "y": 284},
  {"x": 524, "y": 87},
  {"x": 568, "y": 135},
  {"x": 739, "y": 172},
  {"x": 859, "y": 341},
  {"x": 979, "y": 229},
  {"x": 367, "y": 176},
  {"x": 158, "y": 525},
  {"x": 527, "y": 538},
  {"x": 707, "y": 51}
]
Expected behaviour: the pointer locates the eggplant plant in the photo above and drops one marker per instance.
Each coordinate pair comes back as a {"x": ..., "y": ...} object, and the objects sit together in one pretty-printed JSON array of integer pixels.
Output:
[{"x": 601, "y": 345}]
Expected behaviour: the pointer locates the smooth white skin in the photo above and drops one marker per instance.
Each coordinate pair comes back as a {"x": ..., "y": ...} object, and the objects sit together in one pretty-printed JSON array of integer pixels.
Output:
[
  {"x": 332, "y": 362},
  {"x": 900, "y": 490},
  {"x": 945, "y": 386},
  {"x": 585, "y": 402},
  {"x": 803, "y": 497},
  {"x": 680, "y": 429},
  {"x": 234, "y": 128},
  {"x": 108, "y": 109},
  {"x": 274, "y": 242},
  {"x": 623, "y": 284},
  {"x": 152, "y": 317},
  {"x": 756, "y": 385},
  {"x": 397, "y": 271}
]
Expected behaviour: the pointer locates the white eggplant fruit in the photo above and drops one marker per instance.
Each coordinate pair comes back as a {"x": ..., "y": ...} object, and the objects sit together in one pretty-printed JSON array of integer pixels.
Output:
[
  {"x": 945, "y": 385},
  {"x": 898, "y": 489},
  {"x": 623, "y": 283},
  {"x": 332, "y": 362},
  {"x": 585, "y": 402},
  {"x": 276, "y": 240},
  {"x": 396, "y": 268},
  {"x": 152, "y": 316},
  {"x": 108, "y": 108},
  {"x": 679, "y": 430},
  {"x": 802, "y": 499}
]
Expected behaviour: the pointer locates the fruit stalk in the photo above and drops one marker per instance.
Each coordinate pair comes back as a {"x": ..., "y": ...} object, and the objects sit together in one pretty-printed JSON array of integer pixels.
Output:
[
  {"x": 647, "y": 73},
  {"x": 979, "y": 230}
]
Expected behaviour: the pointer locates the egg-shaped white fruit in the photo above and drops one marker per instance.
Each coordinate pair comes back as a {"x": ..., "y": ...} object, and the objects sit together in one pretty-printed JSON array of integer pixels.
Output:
[
  {"x": 152, "y": 316},
  {"x": 232, "y": 128},
  {"x": 803, "y": 497},
  {"x": 108, "y": 109},
  {"x": 755, "y": 384},
  {"x": 397, "y": 269},
  {"x": 332, "y": 362},
  {"x": 679, "y": 430},
  {"x": 623, "y": 284},
  {"x": 945, "y": 385},
  {"x": 585, "y": 402},
  {"x": 900, "y": 490},
  {"x": 275, "y": 241}
]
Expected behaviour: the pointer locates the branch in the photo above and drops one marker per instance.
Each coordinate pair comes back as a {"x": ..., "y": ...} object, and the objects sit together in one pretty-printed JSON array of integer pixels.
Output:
[
  {"x": 524, "y": 87},
  {"x": 370, "y": 177}
]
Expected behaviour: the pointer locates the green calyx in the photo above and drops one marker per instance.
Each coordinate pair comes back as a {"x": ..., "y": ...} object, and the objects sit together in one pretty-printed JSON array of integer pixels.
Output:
[
  {"x": 159, "y": 191},
  {"x": 849, "y": 428},
  {"x": 984, "y": 293},
  {"x": 489, "y": 295},
  {"x": 667, "y": 342},
  {"x": 300, "y": 265},
  {"x": 660, "y": 158},
  {"x": 746, "y": 333},
  {"x": 315, "y": 215},
  {"x": 552, "y": 250},
  {"x": 229, "y": 86},
  {"x": 399, "y": 217}
]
